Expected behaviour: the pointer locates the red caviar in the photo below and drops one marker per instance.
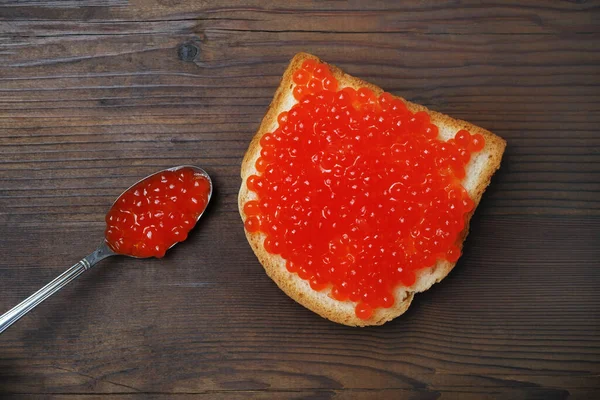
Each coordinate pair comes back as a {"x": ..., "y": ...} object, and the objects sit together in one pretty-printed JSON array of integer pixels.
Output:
[
  {"x": 156, "y": 213},
  {"x": 356, "y": 192}
]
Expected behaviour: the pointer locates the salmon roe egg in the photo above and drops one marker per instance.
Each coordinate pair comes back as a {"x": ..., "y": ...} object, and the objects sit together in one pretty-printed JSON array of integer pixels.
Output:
[{"x": 356, "y": 192}]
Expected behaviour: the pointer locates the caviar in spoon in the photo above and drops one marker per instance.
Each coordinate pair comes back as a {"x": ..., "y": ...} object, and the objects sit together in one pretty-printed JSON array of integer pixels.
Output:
[
  {"x": 146, "y": 220},
  {"x": 157, "y": 212}
]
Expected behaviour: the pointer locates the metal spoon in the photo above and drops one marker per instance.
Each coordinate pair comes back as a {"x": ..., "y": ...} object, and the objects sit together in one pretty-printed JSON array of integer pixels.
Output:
[{"x": 102, "y": 252}]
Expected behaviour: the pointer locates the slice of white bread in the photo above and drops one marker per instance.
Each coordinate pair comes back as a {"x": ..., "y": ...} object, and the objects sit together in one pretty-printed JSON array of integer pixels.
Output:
[{"x": 478, "y": 174}]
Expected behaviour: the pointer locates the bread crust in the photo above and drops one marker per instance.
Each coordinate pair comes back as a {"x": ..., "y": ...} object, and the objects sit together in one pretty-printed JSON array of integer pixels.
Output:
[{"x": 479, "y": 173}]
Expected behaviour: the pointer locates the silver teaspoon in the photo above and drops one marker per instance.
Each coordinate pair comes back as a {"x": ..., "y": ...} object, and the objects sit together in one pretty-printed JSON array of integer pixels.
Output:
[{"x": 102, "y": 252}]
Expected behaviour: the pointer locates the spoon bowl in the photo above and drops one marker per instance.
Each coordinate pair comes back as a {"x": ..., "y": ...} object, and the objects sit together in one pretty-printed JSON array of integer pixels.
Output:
[
  {"x": 103, "y": 251},
  {"x": 194, "y": 168}
]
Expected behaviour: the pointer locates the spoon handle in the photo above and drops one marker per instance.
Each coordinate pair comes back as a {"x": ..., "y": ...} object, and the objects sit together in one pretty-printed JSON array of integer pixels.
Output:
[{"x": 11, "y": 316}]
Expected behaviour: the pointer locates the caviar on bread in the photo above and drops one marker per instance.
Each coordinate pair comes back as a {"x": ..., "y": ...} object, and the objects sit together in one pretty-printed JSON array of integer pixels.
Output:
[{"x": 354, "y": 199}]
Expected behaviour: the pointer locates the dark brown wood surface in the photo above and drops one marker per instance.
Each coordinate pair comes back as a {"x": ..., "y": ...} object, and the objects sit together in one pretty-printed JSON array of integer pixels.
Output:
[{"x": 96, "y": 94}]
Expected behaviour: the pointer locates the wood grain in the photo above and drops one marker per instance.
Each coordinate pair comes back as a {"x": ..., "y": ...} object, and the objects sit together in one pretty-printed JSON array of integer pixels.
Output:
[{"x": 96, "y": 94}]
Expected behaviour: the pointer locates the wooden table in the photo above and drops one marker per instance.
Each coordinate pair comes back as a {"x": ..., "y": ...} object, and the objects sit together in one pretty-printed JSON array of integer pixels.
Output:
[{"x": 95, "y": 94}]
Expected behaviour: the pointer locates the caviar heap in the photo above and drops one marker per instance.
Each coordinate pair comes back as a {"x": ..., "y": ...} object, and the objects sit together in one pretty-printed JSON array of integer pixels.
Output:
[
  {"x": 156, "y": 213},
  {"x": 356, "y": 192}
]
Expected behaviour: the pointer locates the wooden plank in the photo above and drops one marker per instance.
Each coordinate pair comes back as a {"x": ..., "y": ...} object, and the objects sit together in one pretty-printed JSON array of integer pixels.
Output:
[
  {"x": 68, "y": 102},
  {"x": 189, "y": 327},
  {"x": 482, "y": 393},
  {"x": 468, "y": 17}
]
